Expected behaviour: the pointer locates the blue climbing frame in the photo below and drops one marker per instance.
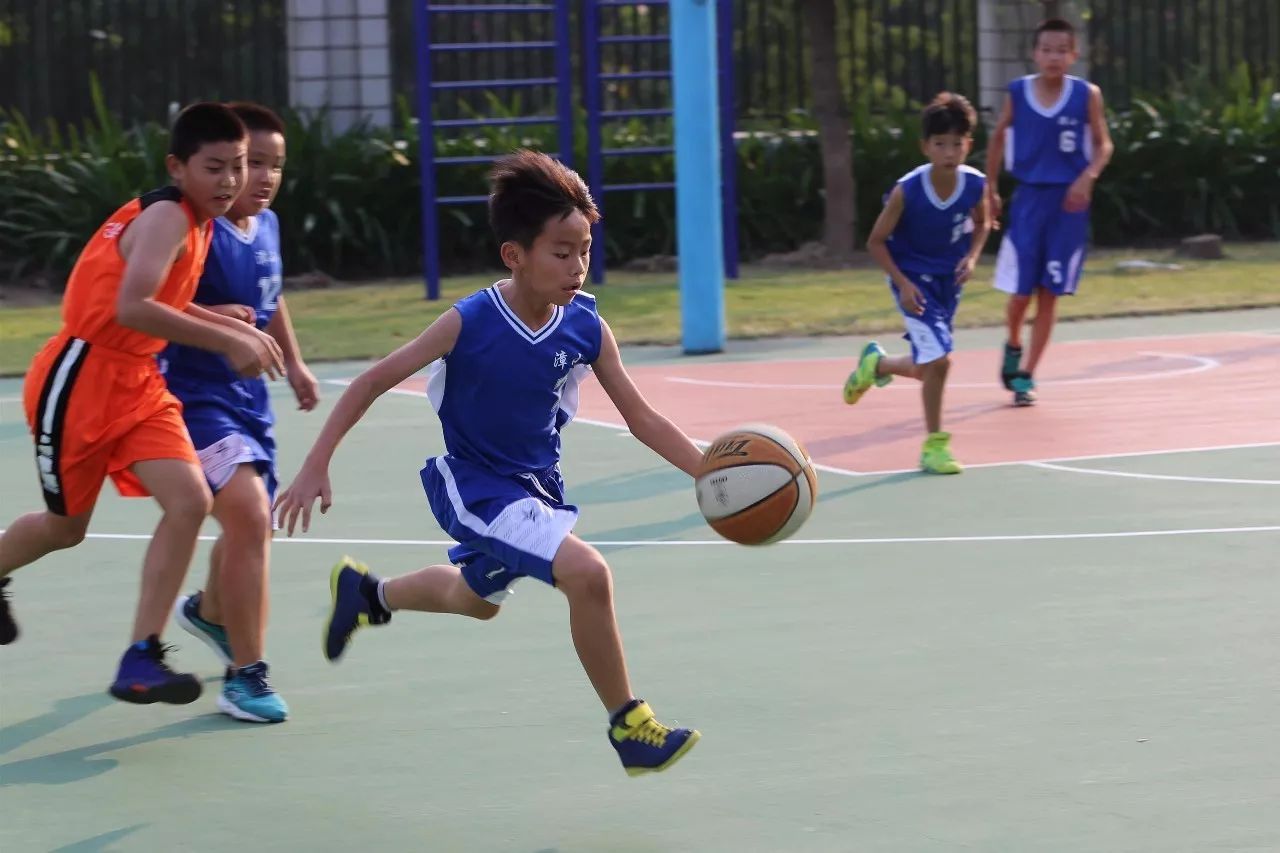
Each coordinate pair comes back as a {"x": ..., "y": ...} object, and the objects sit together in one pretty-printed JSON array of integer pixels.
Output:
[
  {"x": 425, "y": 13},
  {"x": 595, "y": 79}
]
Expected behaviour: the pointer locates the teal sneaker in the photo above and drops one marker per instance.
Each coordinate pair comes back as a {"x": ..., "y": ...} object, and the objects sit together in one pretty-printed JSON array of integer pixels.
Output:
[
  {"x": 864, "y": 375},
  {"x": 645, "y": 745},
  {"x": 1010, "y": 365},
  {"x": 247, "y": 695},
  {"x": 1024, "y": 389},
  {"x": 186, "y": 612}
]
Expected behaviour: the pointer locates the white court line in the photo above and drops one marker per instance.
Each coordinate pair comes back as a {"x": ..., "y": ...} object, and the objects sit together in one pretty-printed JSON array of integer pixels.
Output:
[
  {"x": 609, "y": 425},
  {"x": 1139, "y": 476},
  {"x": 694, "y": 543},
  {"x": 851, "y": 473},
  {"x": 1203, "y": 363},
  {"x": 750, "y": 357}
]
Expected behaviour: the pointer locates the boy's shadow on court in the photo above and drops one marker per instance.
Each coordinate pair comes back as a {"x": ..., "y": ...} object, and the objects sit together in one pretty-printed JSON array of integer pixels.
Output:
[
  {"x": 76, "y": 765},
  {"x": 99, "y": 843}
]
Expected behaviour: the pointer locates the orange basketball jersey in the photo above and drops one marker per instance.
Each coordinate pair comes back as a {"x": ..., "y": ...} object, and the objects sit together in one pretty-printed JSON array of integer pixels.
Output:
[
  {"x": 89, "y": 305},
  {"x": 94, "y": 397}
]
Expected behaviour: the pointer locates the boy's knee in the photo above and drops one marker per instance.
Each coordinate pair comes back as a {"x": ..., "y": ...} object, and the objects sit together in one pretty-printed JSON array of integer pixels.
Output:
[
  {"x": 68, "y": 532},
  {"x": 586, "y": 576},
  {"x": 191, "y": 506},
  {"x": 244, "y": 519}
]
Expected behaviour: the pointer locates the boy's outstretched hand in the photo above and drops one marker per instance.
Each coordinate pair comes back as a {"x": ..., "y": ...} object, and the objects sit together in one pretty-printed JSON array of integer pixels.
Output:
[{"x": 300, "y": 497}]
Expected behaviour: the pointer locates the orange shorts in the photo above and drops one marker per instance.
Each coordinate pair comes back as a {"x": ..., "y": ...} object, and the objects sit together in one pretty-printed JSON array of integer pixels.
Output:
[{"x": 94, "y": 412}]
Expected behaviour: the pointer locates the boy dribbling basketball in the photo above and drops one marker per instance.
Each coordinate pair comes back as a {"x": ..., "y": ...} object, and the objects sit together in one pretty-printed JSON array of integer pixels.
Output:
[{"x": 505, "y": 367}]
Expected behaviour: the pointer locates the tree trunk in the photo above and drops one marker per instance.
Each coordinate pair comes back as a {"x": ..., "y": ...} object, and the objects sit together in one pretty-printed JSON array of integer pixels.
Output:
[{"x": 831, "y": 111}]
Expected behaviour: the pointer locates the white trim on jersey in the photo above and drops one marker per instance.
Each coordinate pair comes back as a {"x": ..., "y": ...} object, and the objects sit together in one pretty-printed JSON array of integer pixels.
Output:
[
  {"x": 247, "y": 236},
  {"x": 514, "y": 321},
  {"x": 1029, "y": 93},
  {"x": 932, "y": 194},
  {"x": 436, "y": 376}
]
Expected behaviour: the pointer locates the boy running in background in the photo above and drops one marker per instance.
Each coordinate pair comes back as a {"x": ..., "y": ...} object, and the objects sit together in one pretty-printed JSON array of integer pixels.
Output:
[
  {"x": 97, "y": 404},
  {"x": 505, "y": 367},
  {"x": 233, "y": 427},
  {"x": 1053, "y": 137},
  {"x": 928, "y": 239}
]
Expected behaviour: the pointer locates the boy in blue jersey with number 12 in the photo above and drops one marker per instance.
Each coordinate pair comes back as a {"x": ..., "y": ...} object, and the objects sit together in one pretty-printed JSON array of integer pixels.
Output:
[
  {"x": 505, "y": 367},
  {"x": 233, "y": 427},
  {"x": 928, "y": 240},
  {"x": 1052, "y": 136}
]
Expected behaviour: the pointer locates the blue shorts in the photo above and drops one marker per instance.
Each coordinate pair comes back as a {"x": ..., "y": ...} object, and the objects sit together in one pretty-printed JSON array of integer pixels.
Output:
[
  {"x": 507, "y": 527},
  {"x": 1044, "y": 245},
  {"x": 930, "y": 332},
  {"x": 231, "y": 424}
]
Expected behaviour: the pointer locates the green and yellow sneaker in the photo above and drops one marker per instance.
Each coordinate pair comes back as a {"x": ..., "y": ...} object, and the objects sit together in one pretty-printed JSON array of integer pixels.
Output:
[
  {"x": 864, "y": 375},
  {"x": 935, "y": 456}
]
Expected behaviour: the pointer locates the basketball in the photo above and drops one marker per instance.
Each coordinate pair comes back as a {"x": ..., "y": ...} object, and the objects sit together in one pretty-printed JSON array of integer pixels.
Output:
[{"x": 756, "y": 485}]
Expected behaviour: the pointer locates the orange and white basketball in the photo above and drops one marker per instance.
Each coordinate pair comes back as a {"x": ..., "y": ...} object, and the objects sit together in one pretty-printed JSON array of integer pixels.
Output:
[{"x": 756, "y": 485}]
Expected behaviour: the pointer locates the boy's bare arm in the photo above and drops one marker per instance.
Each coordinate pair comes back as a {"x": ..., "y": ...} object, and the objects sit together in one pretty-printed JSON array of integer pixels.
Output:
[
  {"x": 312, "y": 481},
  {"x": 995, "y": 159},
  {"x": 149, "y": 247},
  {"x": 646, "y": 423},
  {"x": 1080, "y": 194},
  {"x": 304, "y": 384},
  {"x": 878, "y": 248}
]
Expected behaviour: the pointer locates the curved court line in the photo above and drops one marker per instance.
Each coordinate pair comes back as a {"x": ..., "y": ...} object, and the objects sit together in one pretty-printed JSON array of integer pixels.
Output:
[
  {"x": 1102, "y": 472},
  {"x": 1203, "y": 363},
  {"x": 881, "y": 540}
]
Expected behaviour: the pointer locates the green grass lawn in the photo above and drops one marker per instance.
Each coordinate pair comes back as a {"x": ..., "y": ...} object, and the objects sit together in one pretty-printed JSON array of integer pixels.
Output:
[{"x": 367, "y": 320}]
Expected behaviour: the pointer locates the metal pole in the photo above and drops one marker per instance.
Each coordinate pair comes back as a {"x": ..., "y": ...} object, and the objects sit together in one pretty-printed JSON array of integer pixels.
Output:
[
  {"x": 426, "y": 149},
  {"x": 698, "y": 207}
]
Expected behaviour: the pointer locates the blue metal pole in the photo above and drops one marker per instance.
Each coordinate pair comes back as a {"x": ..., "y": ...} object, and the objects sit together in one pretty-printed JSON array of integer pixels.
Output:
[
  {"x": 564, "y": 86},
  {"x": 728, "y": 151},
  {"x": 595, "y": 153},
  {"x": 698, "y": 199},
  {"x": 426, "y": 149}
]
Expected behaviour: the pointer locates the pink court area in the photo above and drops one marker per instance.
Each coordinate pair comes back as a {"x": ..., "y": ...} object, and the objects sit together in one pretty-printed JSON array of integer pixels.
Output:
[{"x": 1097, "y": 398}]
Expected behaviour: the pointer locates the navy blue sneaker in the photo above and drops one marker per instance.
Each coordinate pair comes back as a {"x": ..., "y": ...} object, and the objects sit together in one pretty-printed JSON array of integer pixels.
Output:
[
  {"x": 355, "y": 605},
  {"x": 8, "y": 628},
  {"x": 144, "y": 678},
  {"x": 645, "y": 745},
  {"x": 186, "y": 612}
]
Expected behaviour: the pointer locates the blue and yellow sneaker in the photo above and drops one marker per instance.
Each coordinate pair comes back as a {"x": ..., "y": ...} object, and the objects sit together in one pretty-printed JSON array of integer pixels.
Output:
[
  {"x": 247, "y": 695},
  {"x": 355, "y": 605},
  {"x": 186, "y": 612},
  {"x": 1010, "y": 365},
  {"x": 1024, "y": 389},
  {"x": 144, "y": 678},
  {"x": 864, "y": 375},
  {"x": 644, "y": 744}
]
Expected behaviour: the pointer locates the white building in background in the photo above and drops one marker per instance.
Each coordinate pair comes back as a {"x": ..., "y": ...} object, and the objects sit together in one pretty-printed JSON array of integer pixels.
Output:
[{"x": 340, "y": 60}]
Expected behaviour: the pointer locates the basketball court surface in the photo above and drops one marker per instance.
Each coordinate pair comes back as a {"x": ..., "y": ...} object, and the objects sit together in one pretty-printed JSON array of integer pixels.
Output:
[{"x": 1072, "y": 646}]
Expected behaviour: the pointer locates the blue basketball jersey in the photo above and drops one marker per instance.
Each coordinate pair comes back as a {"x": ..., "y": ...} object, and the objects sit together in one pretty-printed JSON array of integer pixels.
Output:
[
  {"x": 504, "y": 391},
  {"x": 1048, "y": 146},
  {"x": 934, "y": 234},
  {"x": 243, "y": 268}
]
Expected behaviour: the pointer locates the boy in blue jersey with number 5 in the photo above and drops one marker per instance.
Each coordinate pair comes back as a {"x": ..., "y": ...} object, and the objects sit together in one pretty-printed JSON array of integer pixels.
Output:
[
  {"x": 505, "y": 367},
  {"x": 232, "y": 427},
  {"x": 928, "y": 240},
  {"x": 1052, "y": 136}
]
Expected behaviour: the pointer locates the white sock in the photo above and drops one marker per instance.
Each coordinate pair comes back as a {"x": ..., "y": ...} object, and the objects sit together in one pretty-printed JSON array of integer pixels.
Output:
[{"x": 382, "y": 595}]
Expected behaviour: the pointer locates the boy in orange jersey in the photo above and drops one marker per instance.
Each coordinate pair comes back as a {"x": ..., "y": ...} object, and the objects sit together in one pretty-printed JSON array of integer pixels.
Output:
[{"x": 98, "y": 406}]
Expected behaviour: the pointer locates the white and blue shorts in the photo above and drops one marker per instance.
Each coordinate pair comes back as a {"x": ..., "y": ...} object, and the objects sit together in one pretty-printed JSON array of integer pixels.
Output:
[{"x": 507, "y": 527}]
